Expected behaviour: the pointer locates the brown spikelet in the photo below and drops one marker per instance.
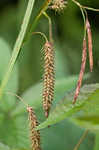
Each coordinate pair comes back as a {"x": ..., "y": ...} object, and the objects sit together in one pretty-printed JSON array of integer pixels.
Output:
[
  {"x": 58, "y": 5},
  {"x": 84, "y": 55},
  {"x": 35, "y": 135},
  {"x": 88, "y": 28},
  {"x": 48, "y": 80}
]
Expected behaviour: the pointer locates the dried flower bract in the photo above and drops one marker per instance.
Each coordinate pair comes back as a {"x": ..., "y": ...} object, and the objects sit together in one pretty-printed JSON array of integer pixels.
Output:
[
  {"x": 35, "y": 135},
  {"x": 48, "y": 85}
]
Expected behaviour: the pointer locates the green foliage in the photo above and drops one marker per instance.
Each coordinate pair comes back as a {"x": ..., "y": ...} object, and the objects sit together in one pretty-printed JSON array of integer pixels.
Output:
[
  {"x": 7, "y": 102},
  {"x": 17, "y": 46},
  {"x": 4, "y": 147},
  {"x": 58, "y": 132},
  {"x": 97, "y": 142},
  {"x": 85, "y": 111},
  {"x": 9, "y": 125},
  {"x": 33, "y": 96},
  {"x": 67, "y": 121}
]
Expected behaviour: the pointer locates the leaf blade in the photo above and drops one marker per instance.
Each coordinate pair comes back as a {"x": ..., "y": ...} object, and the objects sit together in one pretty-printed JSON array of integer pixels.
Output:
[{"x": 67, "y": 109}]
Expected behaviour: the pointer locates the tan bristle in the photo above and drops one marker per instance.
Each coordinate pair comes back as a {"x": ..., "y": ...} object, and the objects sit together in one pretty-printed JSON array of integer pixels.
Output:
[
  {"x": 88, "y": 28},
  {"x": 48, "y": 80},
  {"x": 35, "y": 134},
  {"x": 58, "y": 5},
  {"x": 84, "y": 55}
]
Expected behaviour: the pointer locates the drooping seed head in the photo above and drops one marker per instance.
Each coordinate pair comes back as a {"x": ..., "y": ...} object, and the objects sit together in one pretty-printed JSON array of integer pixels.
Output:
[
  {"x": 48, "y": 80},
  {"x": 35, "y": 135},
  {"x": 83, "y": 64},
  {"x": 88, "y": 28}
]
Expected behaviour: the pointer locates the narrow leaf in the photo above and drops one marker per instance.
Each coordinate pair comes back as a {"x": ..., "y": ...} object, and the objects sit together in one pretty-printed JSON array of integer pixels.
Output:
[{"x": 18, "y": 45}]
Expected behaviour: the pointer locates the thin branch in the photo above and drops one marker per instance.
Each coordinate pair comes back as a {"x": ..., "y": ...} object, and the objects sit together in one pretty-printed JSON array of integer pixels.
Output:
[
  {"x": 81, "y": 140},
  {"x": 92, "y": 9},
  {"x": 35, "y": 21},
  {"x": 42, "y": 34},
  {"x": 50, "y": 27},
  {"x": 85, "y": 7}
]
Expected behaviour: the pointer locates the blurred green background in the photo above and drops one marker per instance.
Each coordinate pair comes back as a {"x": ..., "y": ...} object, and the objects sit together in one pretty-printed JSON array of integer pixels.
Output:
[
  {"x": 68, "y": 37},
  {"x": 67, "y": 34}
]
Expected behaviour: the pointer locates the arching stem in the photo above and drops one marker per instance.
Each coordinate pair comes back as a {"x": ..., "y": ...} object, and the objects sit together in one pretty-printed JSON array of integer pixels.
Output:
[
  {"x": 50, "y": 27},
  {"x": 81, "y": 140}
]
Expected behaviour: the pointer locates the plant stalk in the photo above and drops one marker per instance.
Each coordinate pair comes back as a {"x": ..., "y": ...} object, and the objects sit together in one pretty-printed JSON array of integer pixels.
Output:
[
  {"x": 21, "y": 39},
  {"x": 17, "y": 46},
  {"x": 81, "y": 140}
]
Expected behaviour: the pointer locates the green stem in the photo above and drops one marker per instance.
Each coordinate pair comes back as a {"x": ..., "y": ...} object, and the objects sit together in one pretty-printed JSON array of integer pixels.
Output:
[
  {"x": 50, "y": 27},
  {"x": 85, "y": 7},
  {"x": 83, "y": 15},
  {"x": 92, "y": 9},
  {"x": 35, "y": 22},
  {"x": 21, "y": 39},
  {"x": 84, "y": 18},
  {"x": 42, "y": 34},
  {"x": 18, "y": 45}
]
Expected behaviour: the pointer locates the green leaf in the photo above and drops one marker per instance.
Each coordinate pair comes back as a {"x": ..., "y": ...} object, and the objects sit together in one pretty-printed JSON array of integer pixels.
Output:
[
  {"x": 96, "y": 147},
  {"x": 86, "y": 105},
  {"x": 4, "y": 147},
  {"x": 16, "y": 121},
  {"x": 66, "y": 133},
  {"x": 16, "y": 125},
  {"x": 7, "y": 101},
  {"x": 14, "y": 131}
]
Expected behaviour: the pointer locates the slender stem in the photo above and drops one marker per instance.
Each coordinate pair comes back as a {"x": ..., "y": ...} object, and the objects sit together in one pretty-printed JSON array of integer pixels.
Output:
[
  {"x": 85, "y": 7},
  {"x": 81, "y": 8},
  {"x": 35, "y": 22},
  {"x": 84, "y": 18},
  {"x": 82, "y": 11},
  {"x": 77, "y": 3},
  {"x": 19, "y": 97},
  {"x": 42, "y": 34},
  {"x": 83, "y": 14},
  {"x": 89, "y": 8},
  {"x": 81, "y": 140},
  {"x": 18, "y": 45},
  {"x": 50, "y": 27}
]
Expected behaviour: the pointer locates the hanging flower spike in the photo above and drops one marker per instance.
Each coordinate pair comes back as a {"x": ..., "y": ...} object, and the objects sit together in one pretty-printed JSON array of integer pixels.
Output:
[
  {"x": 58, "y": 5},
  {"x": 48, "y": 80},
  {"x": 88, "y": 28},
  {"x": 35, "y": 135},
  {"x": 84, "y": 55}
]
